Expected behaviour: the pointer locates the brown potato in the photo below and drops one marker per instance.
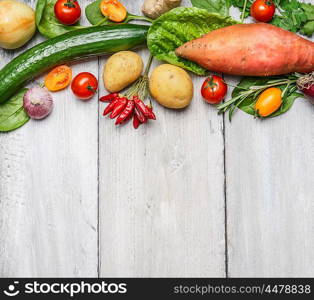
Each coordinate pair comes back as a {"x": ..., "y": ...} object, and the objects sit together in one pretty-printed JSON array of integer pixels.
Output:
[
  {"x": 122, "y": 69},
  {"x": 171, "y": 86}
]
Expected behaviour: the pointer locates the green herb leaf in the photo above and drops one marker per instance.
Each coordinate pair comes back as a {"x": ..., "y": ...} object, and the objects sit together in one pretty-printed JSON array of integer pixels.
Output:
[
  {"x": 294, "y": 16},
  {"x": 12, "y": 114},
  {"x": 93, "y": 13},
  {"x": 95, "y": 17},
  {"x": 216, "y": 6},
  {"x": 308, "y": 10},
  {"x": 248, "y": 104},
  {"x": 287, "y": 103},
  {"x": 179, "y": 26},
  {"x": 46, "y": 21},
  {"x": 240, "y": 4},
  {"x": 308, "y": 28}
]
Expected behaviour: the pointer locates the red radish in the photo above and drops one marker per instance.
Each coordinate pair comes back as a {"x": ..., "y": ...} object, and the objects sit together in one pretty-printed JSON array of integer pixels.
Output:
[{"x": 251, "y": 50}]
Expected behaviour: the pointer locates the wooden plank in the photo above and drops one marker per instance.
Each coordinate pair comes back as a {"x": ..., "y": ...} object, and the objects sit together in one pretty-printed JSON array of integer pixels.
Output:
[
  {"x": 48, "y": 189},
  {"x": 161, "y": 192},
  {"x": 269, "y": 166}
]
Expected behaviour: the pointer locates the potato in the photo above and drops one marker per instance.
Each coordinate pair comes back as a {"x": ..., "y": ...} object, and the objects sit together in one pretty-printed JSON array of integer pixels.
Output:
[
  {"x": 171, "y": 86},
  {"x": 17, "y": 24},
  {"x": 122, "y": 69}
]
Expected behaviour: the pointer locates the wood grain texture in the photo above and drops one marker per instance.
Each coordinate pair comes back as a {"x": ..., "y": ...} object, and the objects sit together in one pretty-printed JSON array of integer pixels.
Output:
[
  {"x": 48, "y": 189},
  {"x": 161, "y": 193},
  {"x": 270, "y": 208}
]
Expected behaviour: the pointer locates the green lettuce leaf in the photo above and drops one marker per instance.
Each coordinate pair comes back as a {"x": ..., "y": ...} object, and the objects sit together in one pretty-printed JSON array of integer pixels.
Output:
[
  {"x": 179, "y": 26},
  {"x": 216, "y": 6}
]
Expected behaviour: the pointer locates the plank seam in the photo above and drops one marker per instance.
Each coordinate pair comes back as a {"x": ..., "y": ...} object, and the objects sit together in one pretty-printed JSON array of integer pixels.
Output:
[
  {"x": 225, "y": 199},
  {"x": 98, "y": 185}
]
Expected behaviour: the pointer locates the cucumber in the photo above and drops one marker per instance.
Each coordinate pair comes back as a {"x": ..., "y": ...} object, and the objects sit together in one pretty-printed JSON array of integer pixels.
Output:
[{"x": 70, "y": 46}]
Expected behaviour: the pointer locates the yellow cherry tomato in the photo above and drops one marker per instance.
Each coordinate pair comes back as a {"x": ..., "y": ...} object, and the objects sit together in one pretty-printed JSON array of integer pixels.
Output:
[
  {"x": 268, "y": 102},
  {"x": 59, "y": 78},
  {"x": 113, "y": 10}
]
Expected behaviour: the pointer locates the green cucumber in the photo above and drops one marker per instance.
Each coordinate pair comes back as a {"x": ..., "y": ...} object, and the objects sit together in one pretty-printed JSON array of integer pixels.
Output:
[{"x": 70, "y": 46}]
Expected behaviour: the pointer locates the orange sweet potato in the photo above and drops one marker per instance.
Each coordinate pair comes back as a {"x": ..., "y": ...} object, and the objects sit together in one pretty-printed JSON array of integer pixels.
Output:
[{"x": 251, "y": 50}]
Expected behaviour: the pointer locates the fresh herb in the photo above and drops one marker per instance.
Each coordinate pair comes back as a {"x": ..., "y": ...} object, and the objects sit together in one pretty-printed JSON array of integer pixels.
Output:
[
  {"x": 291, "y": 15},
  {"x": 12, "y": 114},
  {"x": 179, "y": 26},
  {"x": 46, "y": 21},
  {"x": 215, "y": 6},
  {"x": 95, "y": 17},
  {"x": 243, "y": 5},
  {"x": 245, "y": 95}
]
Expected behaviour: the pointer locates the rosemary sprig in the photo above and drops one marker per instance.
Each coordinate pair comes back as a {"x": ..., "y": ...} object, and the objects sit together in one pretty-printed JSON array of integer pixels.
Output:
[{"x": 251, "y": 93}]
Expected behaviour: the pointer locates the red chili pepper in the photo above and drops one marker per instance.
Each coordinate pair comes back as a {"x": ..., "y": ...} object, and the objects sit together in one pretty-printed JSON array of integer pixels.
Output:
[
  {"x": 141, "y": 106},
  {"x": 126, "y": 112},
  {"x": 109, "y": 98},
  {"x": 136, "y": 122},
  {"x": 110, "y": 107},
  {"x": 139, "y": 115},
  {"x": 151, "y": 115},
  {"x": 118, "y": 109}
]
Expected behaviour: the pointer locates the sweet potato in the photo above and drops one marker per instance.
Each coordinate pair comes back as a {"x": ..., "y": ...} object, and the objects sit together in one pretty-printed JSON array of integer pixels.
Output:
[{"x": 251, "y": 50}]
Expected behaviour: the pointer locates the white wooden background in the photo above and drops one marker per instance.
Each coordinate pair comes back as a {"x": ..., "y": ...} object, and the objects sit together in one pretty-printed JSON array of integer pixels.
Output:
[{"x": 187, "y": 195}]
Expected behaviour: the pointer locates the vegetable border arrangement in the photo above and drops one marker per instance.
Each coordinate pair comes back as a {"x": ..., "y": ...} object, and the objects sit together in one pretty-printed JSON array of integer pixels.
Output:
[{"x": 272, "y": 54}]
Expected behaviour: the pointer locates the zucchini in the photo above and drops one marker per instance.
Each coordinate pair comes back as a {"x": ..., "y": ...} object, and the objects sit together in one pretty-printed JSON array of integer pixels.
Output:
[{"x": 70, "y": 46}]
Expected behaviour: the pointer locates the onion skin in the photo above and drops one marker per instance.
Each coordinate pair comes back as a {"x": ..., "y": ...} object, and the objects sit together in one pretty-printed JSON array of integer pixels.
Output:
[
  {"x": 17, "y": 24},
  {"x": 38, "y": 103},
  {"x": 309, "y": 91}
]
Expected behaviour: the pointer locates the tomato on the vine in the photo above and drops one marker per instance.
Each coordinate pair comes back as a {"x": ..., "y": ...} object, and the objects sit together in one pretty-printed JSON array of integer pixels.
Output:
[
  {"x": 68, "y": 12},
  {"x": 84, "y": 85},
  {"x": 263, "y": 10},
  {"x": 214, "y": 89}
]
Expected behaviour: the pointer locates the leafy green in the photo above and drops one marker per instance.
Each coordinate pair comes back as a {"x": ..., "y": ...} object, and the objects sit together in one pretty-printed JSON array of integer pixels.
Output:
[
  {"x": 240, "y": 4},
  {"x": 291, "y": 15},
  {"x": 93, "y": 13},
  {"x": 308, "y": 27},
  {"x": 287, "y": 103},
  {"x": 46, "y": 21},
  {"x": 248, "y": 104},
  {"x": 95, "y": 17},
  {"x": 245, "y": 95},
  {"x": 12, "y": 114},
  {"x": 179, "y": 26},
  {"x": 215, "y": 6}
]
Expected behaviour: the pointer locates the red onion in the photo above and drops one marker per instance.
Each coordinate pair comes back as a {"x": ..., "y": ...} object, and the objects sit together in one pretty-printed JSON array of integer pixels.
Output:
[
  {"x": 306, "y": 85},
  {"x": 38, "y": 102}
]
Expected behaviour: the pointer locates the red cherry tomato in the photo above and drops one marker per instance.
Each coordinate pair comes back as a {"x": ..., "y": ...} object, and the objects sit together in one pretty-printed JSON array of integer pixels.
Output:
[
  {"x": 84, "y": 85},
  {"x": 263, "y": 10},
  {"x": 68, "y": 12},
  {"x": 214, "y": 89}
]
